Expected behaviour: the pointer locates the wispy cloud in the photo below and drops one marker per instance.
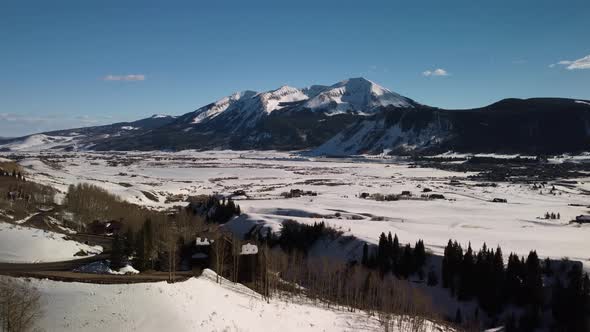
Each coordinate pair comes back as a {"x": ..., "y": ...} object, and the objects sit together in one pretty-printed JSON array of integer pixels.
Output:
[
  {"x": 128, "y": 78},
  {"x": 15, "y": 124},
  {"x": 582, "y": 63},
  {"x": 435, "y": 72}
]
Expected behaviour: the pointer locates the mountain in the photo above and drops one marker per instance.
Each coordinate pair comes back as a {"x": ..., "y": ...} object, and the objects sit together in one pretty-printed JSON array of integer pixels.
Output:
[
  {"x": 357, "y": 95},
  {"x": 353, "y": 116},
  {"x": 285, "y": 118},
  {"x": 530, "y": 126},
  {"x": 84, "y": 138}
]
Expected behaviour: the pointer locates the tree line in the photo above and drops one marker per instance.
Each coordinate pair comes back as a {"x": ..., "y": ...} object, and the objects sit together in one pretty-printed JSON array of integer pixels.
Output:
[
  {"x": 390, "y": 256},
  {"x": 522, "y": 283}
]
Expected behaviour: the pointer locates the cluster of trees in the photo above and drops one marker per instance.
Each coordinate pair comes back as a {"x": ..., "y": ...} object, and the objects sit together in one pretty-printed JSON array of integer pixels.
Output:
[
  {"x": 552, "y": 215},
  {"x": 335, "y": 284},
  {"x": 390, "y": 256},
  {"x": 20, "y": 305},
  {"x": 214, "y": 209},
  {"x": 160, "y": 243},
  {"x": 478, "y": 275},
  {"x": 522, "y": 283},
  {"x": 14, "y": 173},
  {"x": 570, "y": 303},
  {"x": 90, "y": 203},
  {"x": 300, "y": 237},
  {"x": 20, "y": 198}
]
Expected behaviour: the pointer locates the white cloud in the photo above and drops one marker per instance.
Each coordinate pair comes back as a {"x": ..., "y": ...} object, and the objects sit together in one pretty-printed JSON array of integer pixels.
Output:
[
  {"x": 435, "y": 72},
  {"x": 129, "y": 78},
  {"x": 582, "y": 63}
]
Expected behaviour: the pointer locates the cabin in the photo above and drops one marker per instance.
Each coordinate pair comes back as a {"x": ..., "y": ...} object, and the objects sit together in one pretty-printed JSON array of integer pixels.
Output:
[
  {"x": 201, "y": 255},
  {"x": 248, "y": 263},
  {"x": 499, "y": 200},
  {"x": 103, "y": 227}
]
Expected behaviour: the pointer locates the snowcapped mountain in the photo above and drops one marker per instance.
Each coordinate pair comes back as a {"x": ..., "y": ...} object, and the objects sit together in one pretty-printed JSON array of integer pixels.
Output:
[
  {"x": 357, "y": 95},
  {"x": 350, "y": 117}
]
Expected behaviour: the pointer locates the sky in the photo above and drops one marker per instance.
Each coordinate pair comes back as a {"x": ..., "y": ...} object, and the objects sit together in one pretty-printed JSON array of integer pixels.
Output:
[{"x": 67, "y": 64}]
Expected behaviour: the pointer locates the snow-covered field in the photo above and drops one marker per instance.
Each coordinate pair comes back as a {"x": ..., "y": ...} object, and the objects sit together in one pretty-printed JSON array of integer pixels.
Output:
[
  {"x": 21, "y": 244},
  {"x": 467, "y": 214},
  {"x": 198, "y": 304}
]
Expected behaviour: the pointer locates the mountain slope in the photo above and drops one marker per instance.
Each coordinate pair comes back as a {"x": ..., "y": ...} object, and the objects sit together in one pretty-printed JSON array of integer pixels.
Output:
[
  {"x": 85, "y": 138},
  {"x": 531, "y": 126}
]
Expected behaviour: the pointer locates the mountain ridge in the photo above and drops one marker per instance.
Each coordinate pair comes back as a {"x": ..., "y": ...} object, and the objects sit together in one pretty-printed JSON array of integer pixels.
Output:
[{"x": 353, "y": 116}]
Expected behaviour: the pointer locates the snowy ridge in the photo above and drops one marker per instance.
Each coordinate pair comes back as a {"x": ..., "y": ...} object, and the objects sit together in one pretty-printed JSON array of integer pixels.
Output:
[
  {"x": 356, "y": 94},
  {"x": 211, "y": 111},
  {"x": 272, "y": 100},
  {"x": 38, "y": 142}
]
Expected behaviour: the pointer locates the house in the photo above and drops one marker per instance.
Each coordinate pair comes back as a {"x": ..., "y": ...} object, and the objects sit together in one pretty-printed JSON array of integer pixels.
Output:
[
  {"x": 248, "y": 261},
  {"x": 102, "y": 227},
  {"x": 201, "y": 256}
]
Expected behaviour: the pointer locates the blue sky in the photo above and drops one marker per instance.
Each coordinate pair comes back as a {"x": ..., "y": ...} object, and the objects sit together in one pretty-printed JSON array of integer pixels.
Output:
[{"x": 66, "y": 63}]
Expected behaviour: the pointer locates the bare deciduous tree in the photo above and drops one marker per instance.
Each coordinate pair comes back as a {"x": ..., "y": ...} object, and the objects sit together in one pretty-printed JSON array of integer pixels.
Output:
[{"x": 20, "y": 305}]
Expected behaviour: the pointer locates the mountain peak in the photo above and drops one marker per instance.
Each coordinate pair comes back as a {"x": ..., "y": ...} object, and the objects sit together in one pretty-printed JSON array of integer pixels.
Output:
[
  {"x": 358, "y": 95},
  {"x": 273, "y": 100}
]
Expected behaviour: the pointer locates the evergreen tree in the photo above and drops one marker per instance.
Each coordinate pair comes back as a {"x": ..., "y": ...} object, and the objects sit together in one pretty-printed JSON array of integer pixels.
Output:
[
  {"x": 419, "y": 255},
  {"x": 129, "y": 248},
  {"x": 407, "y": 261},
  {"x": 140, "y": 262},
  {"x": 365, "y": 259},
  {"x": 446, "y": 268},
  {"x": 395, "y": 254},
  {"x": 382, "y": 254},
  {"x": 117, "y": 259},
  {"x": 533, "y": 282},
  {"x": 467, "y": 276},
  {"x": 513, "y": 281}
]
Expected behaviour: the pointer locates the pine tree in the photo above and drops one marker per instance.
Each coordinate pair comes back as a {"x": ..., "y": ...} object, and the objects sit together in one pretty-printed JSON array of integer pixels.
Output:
[
  {"x": 117, "y": 253},
  {"x": 395, "y": 254},
  {"x": 467, "y": 276},
  {"x": 382, "y": 255},
  {"x": 445, "y": 268},
  {"x": 533, "y": 282},
  {"x": 419, "y": 255},
  {"x": 407, "y": 261},
  {"x": 365, "y": 259},
  {"x": 129, "y": 243},
  {"x": 140, "y": 261}
]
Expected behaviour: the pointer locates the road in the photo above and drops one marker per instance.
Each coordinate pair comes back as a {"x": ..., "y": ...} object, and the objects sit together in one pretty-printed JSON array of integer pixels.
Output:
[{"x": 63, "y": 271}]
